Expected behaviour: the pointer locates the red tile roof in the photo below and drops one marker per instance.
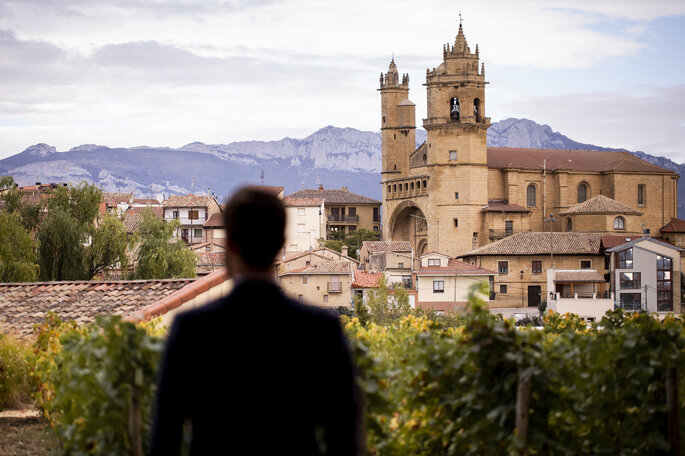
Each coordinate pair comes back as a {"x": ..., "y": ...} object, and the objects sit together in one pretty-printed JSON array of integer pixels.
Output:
[
  {"x": 146, "y": 201},
  {"x": 600, "y": 204},
  {"x": 325, "y": 267},
  {"x": 578, "y": 276},
  {"x": 366, "y": 279},
  {"x": 609, "y": 241},
  {"x": 577, "y": 160},
  {"x": 454, "y": 267},
  {"x": 676, "y": 225},
  {"x": 157, "y": 210},
  {"x": 177, "y": 298},
  {"x": 503, "y": 206},
  {"x": 540, "y": 243},
  {"x": 334, "y": 196},
  {"x": 290, "y": 201},
  {"x": 210, "y": 258},
  {"x": 387, "y": 246},
  {"x": 23, "y": 305},
  {"x": 216, "y": 220},
  {"x": 188, "y": 201}
]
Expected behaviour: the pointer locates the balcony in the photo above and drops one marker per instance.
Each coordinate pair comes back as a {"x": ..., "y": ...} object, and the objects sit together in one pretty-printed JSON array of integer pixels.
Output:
[
  {"x": 343, "y": 218},
  {"x": 335, "y": 287},
  {"x": 496, "y": 235}
]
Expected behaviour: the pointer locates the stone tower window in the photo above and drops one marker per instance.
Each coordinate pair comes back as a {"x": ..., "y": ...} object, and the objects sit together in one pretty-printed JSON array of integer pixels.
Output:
[
  {"x": 455, "y": 110},
  {"x": 425, "y": 158},
  {"x": 619, "y": 223},
  {"x": 641, "y": 195},
  {"x": 530, "y": 196},
  {"x": 412, "y": 186},
  {"x": 582, "y": 192},
  {"x": 569, "y": 225},
  {"x": 476, "y": 109},
  {"x": 453, "y": 155}
]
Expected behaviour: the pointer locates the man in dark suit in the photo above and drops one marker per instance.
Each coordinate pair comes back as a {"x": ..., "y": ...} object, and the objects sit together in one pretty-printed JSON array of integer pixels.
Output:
[{"x": 256, "y": 372}]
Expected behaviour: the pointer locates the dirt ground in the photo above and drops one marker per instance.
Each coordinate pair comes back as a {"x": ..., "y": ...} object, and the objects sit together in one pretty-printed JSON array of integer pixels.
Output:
[{"x": 27, "y": 436}]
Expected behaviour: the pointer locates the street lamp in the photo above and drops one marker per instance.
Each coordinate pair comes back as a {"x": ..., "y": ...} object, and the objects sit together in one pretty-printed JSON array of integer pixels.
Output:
[{"x": 521, "y": 288}]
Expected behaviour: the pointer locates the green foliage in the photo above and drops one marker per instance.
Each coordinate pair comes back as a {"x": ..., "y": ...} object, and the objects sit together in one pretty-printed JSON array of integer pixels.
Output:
[
  {"x": 16, "y": 363},
  {"x": 361, "y": 311},
  {"x": 108, "y": 247},
  {"x": 432, "y": 389},
  {"x": 384, "y": 307},
  {"x": 158, "y": 258},
  {"x": 17, "y": 251},
  {"x": 72, "y": 246},
  {"x": 88, "y": 376},
  {"x": 337, "y": 239}
]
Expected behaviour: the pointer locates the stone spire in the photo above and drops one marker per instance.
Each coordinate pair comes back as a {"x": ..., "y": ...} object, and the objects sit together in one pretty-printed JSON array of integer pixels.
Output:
[
  {"x": 392, "y": 77},
  {"x": 460, "y": 44}
]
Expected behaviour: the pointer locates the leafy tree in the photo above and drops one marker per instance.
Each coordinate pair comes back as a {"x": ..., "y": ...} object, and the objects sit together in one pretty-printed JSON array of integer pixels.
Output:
[
  {"x": 71, "y": 246},
  {"x": 108, "y": 247},
  {"x": 17, "y": 251},
  {"x": 158, "y": 258},
  {"x": 337, "y": 239},
  {"x": 383, "y": 307}
]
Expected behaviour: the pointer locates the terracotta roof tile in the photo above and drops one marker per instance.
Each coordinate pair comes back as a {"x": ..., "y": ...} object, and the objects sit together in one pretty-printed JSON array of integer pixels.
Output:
[
  {"x": 609, "y": 241},
  {"x": 23, "y": 305},
  {"x": 334, "y": 196},
  {"x": 676, "y": 225},
  {"x": 210, "y": 258},
  {"x": 216, "y": 220},
  {"x": 539, "y": 243},
  {"x": 157, "y": 210},
  {"x": 455, "y": 267},
  {"x": 290, "y": 201},
  {"x": 600, "y": 204},
  {"x": 387, "y": 246},
  {"x": 503, "y": 206},
  {"x": 578, "y": 276},
  {"x": 364, "y": 279},
  {"x": 188, "y": 201},
  {"x": 578, "y": 160},
  {"x": 325, "y": 267}
]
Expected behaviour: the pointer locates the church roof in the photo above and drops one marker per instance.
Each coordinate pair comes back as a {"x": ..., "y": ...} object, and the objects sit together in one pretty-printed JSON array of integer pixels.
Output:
[
  {"x": 574, "y": 160},
  {"x": 600, "y": 204},
  {"x": 540, "y": 243},
  {"x": 502, "y": 206}
]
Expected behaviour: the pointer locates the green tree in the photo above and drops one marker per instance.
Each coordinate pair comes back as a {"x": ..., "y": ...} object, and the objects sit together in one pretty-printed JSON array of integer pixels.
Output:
[
  {"x": 384, "y": 306},
  {"x": 71, "y": 246},
  {"x": 337, "y": 239},
  {"x": 158, "y": 258},
  {"x": 17, "y": 251}
]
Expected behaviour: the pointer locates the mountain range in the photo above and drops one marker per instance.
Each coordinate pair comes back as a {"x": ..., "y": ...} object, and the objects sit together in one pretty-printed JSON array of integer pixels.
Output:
[{"x": 331, "y": 156}]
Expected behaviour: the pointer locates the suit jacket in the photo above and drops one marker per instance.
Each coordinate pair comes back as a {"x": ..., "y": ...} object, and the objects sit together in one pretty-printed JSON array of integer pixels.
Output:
[{"x": 256, "y": 373}]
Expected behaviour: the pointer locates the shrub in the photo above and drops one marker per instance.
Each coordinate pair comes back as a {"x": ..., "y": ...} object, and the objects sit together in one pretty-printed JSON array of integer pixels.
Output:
[{"x": 16, "y": 363}]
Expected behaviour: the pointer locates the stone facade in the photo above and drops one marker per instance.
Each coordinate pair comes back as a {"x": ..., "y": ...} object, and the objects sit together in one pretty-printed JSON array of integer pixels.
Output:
[{"x": 436, "y": 196}]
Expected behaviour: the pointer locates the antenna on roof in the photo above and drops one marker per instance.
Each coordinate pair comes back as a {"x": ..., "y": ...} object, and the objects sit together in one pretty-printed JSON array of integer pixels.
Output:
[
  {"x": 459, "y": 18},
  {"x": 261, "y": 177}
]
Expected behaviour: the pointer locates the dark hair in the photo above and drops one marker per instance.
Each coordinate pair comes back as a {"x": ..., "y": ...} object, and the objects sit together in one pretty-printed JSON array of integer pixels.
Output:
[{"x": 255, "y": 225}]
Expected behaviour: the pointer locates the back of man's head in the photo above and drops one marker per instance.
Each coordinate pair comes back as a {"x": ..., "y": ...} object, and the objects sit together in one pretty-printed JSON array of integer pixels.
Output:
[{"x": 255, "y": 223}]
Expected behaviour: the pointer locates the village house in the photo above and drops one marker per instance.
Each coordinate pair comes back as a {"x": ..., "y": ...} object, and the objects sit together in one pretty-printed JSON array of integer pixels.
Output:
[
  {"x": 305, "y": 223},
  {"x": 325, "y": 284},
  {"x": 393, "y": 258},
  {"x": 192, "y": 211},
  {"x": 443, "y": 283},
  {"x": 311, "y": 257},
  {"x": 346, "y": 212},
  {"x": 578, "y": 291},
  {"x": 521, "y": 260},
  {"x": 674, "y": 232},
  {"x": 365, "y": 282}
]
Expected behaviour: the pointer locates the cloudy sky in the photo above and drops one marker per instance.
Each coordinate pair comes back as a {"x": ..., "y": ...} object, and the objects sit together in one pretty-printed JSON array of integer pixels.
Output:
[{"x": 170, "y": 72}]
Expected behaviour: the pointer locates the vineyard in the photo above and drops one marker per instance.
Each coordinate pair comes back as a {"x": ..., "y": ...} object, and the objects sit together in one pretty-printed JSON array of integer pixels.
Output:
[{"x": 471, "y": 384}]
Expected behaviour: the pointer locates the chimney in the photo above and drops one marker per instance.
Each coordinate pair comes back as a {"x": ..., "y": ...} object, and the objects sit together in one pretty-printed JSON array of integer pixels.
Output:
[
  {"x": 344, "y": 189},
  {"x": 344, "y": 250},
  {"x": 320, "y": 186}
]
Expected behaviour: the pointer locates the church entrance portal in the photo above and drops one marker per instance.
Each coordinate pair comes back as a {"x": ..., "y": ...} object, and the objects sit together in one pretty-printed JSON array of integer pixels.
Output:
[{"x": 408, "y": 223}]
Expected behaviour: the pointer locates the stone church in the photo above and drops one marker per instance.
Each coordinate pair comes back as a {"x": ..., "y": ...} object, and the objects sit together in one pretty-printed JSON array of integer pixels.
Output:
[{"x": 454, "y": 194}]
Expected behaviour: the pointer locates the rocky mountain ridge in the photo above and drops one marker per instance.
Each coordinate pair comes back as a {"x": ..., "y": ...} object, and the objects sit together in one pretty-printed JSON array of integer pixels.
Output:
[{"x": 330, "y": 156}]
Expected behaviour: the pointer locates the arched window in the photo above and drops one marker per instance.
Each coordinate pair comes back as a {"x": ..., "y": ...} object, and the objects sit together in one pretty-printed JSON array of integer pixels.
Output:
[
  {"x": 389, "y": 189},
  {"x": 619, "y": 223},
  {"x": 530, "y": 196},
  {"x": 476, "y": 109},
  {"x": 394, "y": 187},
  {"x": 425, "y": 184},
  {"x": 455, "y": 109},
  {"x": 582, "y": 192},
  {"x": 569, "y": 225},
  {"x": 412, "y": 186},
  {"x": 425, "y": 158},
  {"x": 406, "y": 187}
]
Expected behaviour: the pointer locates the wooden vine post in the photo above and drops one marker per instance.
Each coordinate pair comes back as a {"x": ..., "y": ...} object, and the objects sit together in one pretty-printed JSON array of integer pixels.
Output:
[
  {"x": 522, "y": 405},
  {"x": 672, "y": 406}
]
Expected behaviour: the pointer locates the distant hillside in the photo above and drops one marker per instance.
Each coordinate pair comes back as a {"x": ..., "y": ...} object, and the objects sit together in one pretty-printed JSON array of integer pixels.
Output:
[{"x": 331, "y": 156}]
